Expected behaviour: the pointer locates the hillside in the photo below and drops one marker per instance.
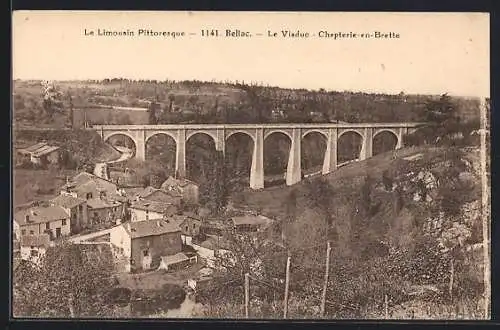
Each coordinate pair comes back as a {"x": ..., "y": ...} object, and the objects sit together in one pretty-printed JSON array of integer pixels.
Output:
[
  {"x": 345, "y": 179},
  {"x": 215, "y": 102},
  {"x": 397, "y": 241},
  {"x": 84, "y": 147}
]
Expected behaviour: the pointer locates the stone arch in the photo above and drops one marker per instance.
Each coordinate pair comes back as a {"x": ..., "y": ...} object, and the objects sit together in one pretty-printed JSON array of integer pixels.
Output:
[
  {"x": 344, "y": 153},
  {"x": 380, "y": 140},
  {"x": 388, "y": 130},
  {"x": 166, "y": 148},
  {"x": 241, "y": 131},
  {"x": 110, "y": 135},
  {"x": 314, "y": 145},
  {"x": 167, "y": 133},
  {"x": 347, "y": 130},
  {"x": 314, "y": 130},
  {"x": 239, "y": 150},
  {"x": 212, "y": 135},
  {"x": 276, "y": 156},
  {"x": 273, "y": 131}
]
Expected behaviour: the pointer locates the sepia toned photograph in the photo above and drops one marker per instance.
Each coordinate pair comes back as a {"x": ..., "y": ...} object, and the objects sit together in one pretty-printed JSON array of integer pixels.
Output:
[{"x": 250, "y": 165}]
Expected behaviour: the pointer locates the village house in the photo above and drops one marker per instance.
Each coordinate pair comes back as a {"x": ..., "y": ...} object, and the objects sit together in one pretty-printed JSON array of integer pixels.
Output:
[
  {"x": 40, "y": 154},
  {"x": 177, "y": 261},
  {"x": 33, "y": 247},
  {"x": 141, "y": 210},
  {"x": 189, "y": 224},
  {"x": 53, "y": 220},
  {"x": 210, "y": 227},
  {"x": 144, "y": 243},
  {"x": 87, "y": 186},
  {"x": 251, "y": 223},
  {"x": 102, "y": 211},
  {"x": 160, "y": 196},
  {"x": 186, "y": 188},
  {"x": 77, "y": 210},
  {"x": 106, "y": 204}
]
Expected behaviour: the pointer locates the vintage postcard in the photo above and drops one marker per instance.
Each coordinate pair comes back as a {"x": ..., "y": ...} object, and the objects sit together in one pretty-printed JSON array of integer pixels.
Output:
[{"x": 250, "y": 165}]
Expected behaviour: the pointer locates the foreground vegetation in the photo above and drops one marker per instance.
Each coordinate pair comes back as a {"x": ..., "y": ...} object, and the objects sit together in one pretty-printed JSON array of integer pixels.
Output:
[{"x": 405, "y": 232}]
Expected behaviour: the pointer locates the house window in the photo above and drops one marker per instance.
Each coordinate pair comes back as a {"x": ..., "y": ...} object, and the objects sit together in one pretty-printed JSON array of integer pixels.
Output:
[
  {"x": 80, "y": 208},
  {"x": 64, "y": 222},
  {"x": 187, "y": 228},
  {"x": 89, "y": 195},
  {"x": 145, "y": 253},
  {"x": 23, "y": 232},
  {"x": 194, "y": 226},
  {"x": 34, "y": 252},
  {"x": 47, "y": 225},
  {"x": 32, "y": 232}
]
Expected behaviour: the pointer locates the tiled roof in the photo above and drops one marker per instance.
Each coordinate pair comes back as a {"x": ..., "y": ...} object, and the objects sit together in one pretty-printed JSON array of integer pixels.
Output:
[
  {"x": 84, "y": 177},
  {"x": 174, "y": 259},
  {"x": 40, "y": 214},
  {"x": 179, "y": 219},
  {"x": 97, "y": 203},
  {"x": 34, "y": 147},
  {"x": 151, "y": 206},
  {"x": 67, "y": 201},
  {"x": 148, "y": 191},
  {"x": 45, "y": 151},
  {"x": 172, "y": 182},
  {"x": 35, "y": 240},
  {"x": 39, "y": 149},
  {"x": 151, "y": 228}
]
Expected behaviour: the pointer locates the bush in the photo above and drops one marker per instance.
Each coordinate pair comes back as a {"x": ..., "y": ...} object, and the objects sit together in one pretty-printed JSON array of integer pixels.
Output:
[{"x": 387, "y": 180}]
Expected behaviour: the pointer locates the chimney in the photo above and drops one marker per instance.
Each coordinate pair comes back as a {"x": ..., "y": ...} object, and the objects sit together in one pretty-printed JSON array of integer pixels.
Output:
[{"x": 27, "y": 217}]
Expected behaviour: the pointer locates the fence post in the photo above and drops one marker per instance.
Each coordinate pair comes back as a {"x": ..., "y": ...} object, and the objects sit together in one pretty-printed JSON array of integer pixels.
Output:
[
  {"x": 386, "y": 306},
  {"x": 325, "y": 285},
  {"x": 287, "y": 283},
  {"x": 452, "y": 273},
  {"x": 247, "y": 293}
]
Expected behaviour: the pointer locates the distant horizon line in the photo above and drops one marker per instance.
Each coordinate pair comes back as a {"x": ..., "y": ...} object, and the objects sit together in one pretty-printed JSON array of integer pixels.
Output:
[{"x": 258, "y": 84}]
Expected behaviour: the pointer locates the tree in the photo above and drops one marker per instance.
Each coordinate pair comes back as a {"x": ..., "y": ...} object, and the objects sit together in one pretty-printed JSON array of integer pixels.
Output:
[
  {"x": 70, "y": 114},
  {"x": 71, "y": 282},
  {"x": 443, "y": 121},
  {"x": 262, "y": 259},
  {"x": 51, "y": 100},
  {"x": 387, "y": 180},
  {"x": 217, "y": 183},
  {"x": 152, "y": 112}
]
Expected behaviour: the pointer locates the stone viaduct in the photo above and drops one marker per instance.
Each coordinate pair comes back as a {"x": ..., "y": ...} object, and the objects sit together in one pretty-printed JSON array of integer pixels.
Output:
[{"x": 140, "y": 134}]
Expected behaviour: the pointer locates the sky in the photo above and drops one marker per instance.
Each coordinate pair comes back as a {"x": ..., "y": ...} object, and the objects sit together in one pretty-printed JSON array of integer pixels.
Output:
[{"x": 436, "y": 52}]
